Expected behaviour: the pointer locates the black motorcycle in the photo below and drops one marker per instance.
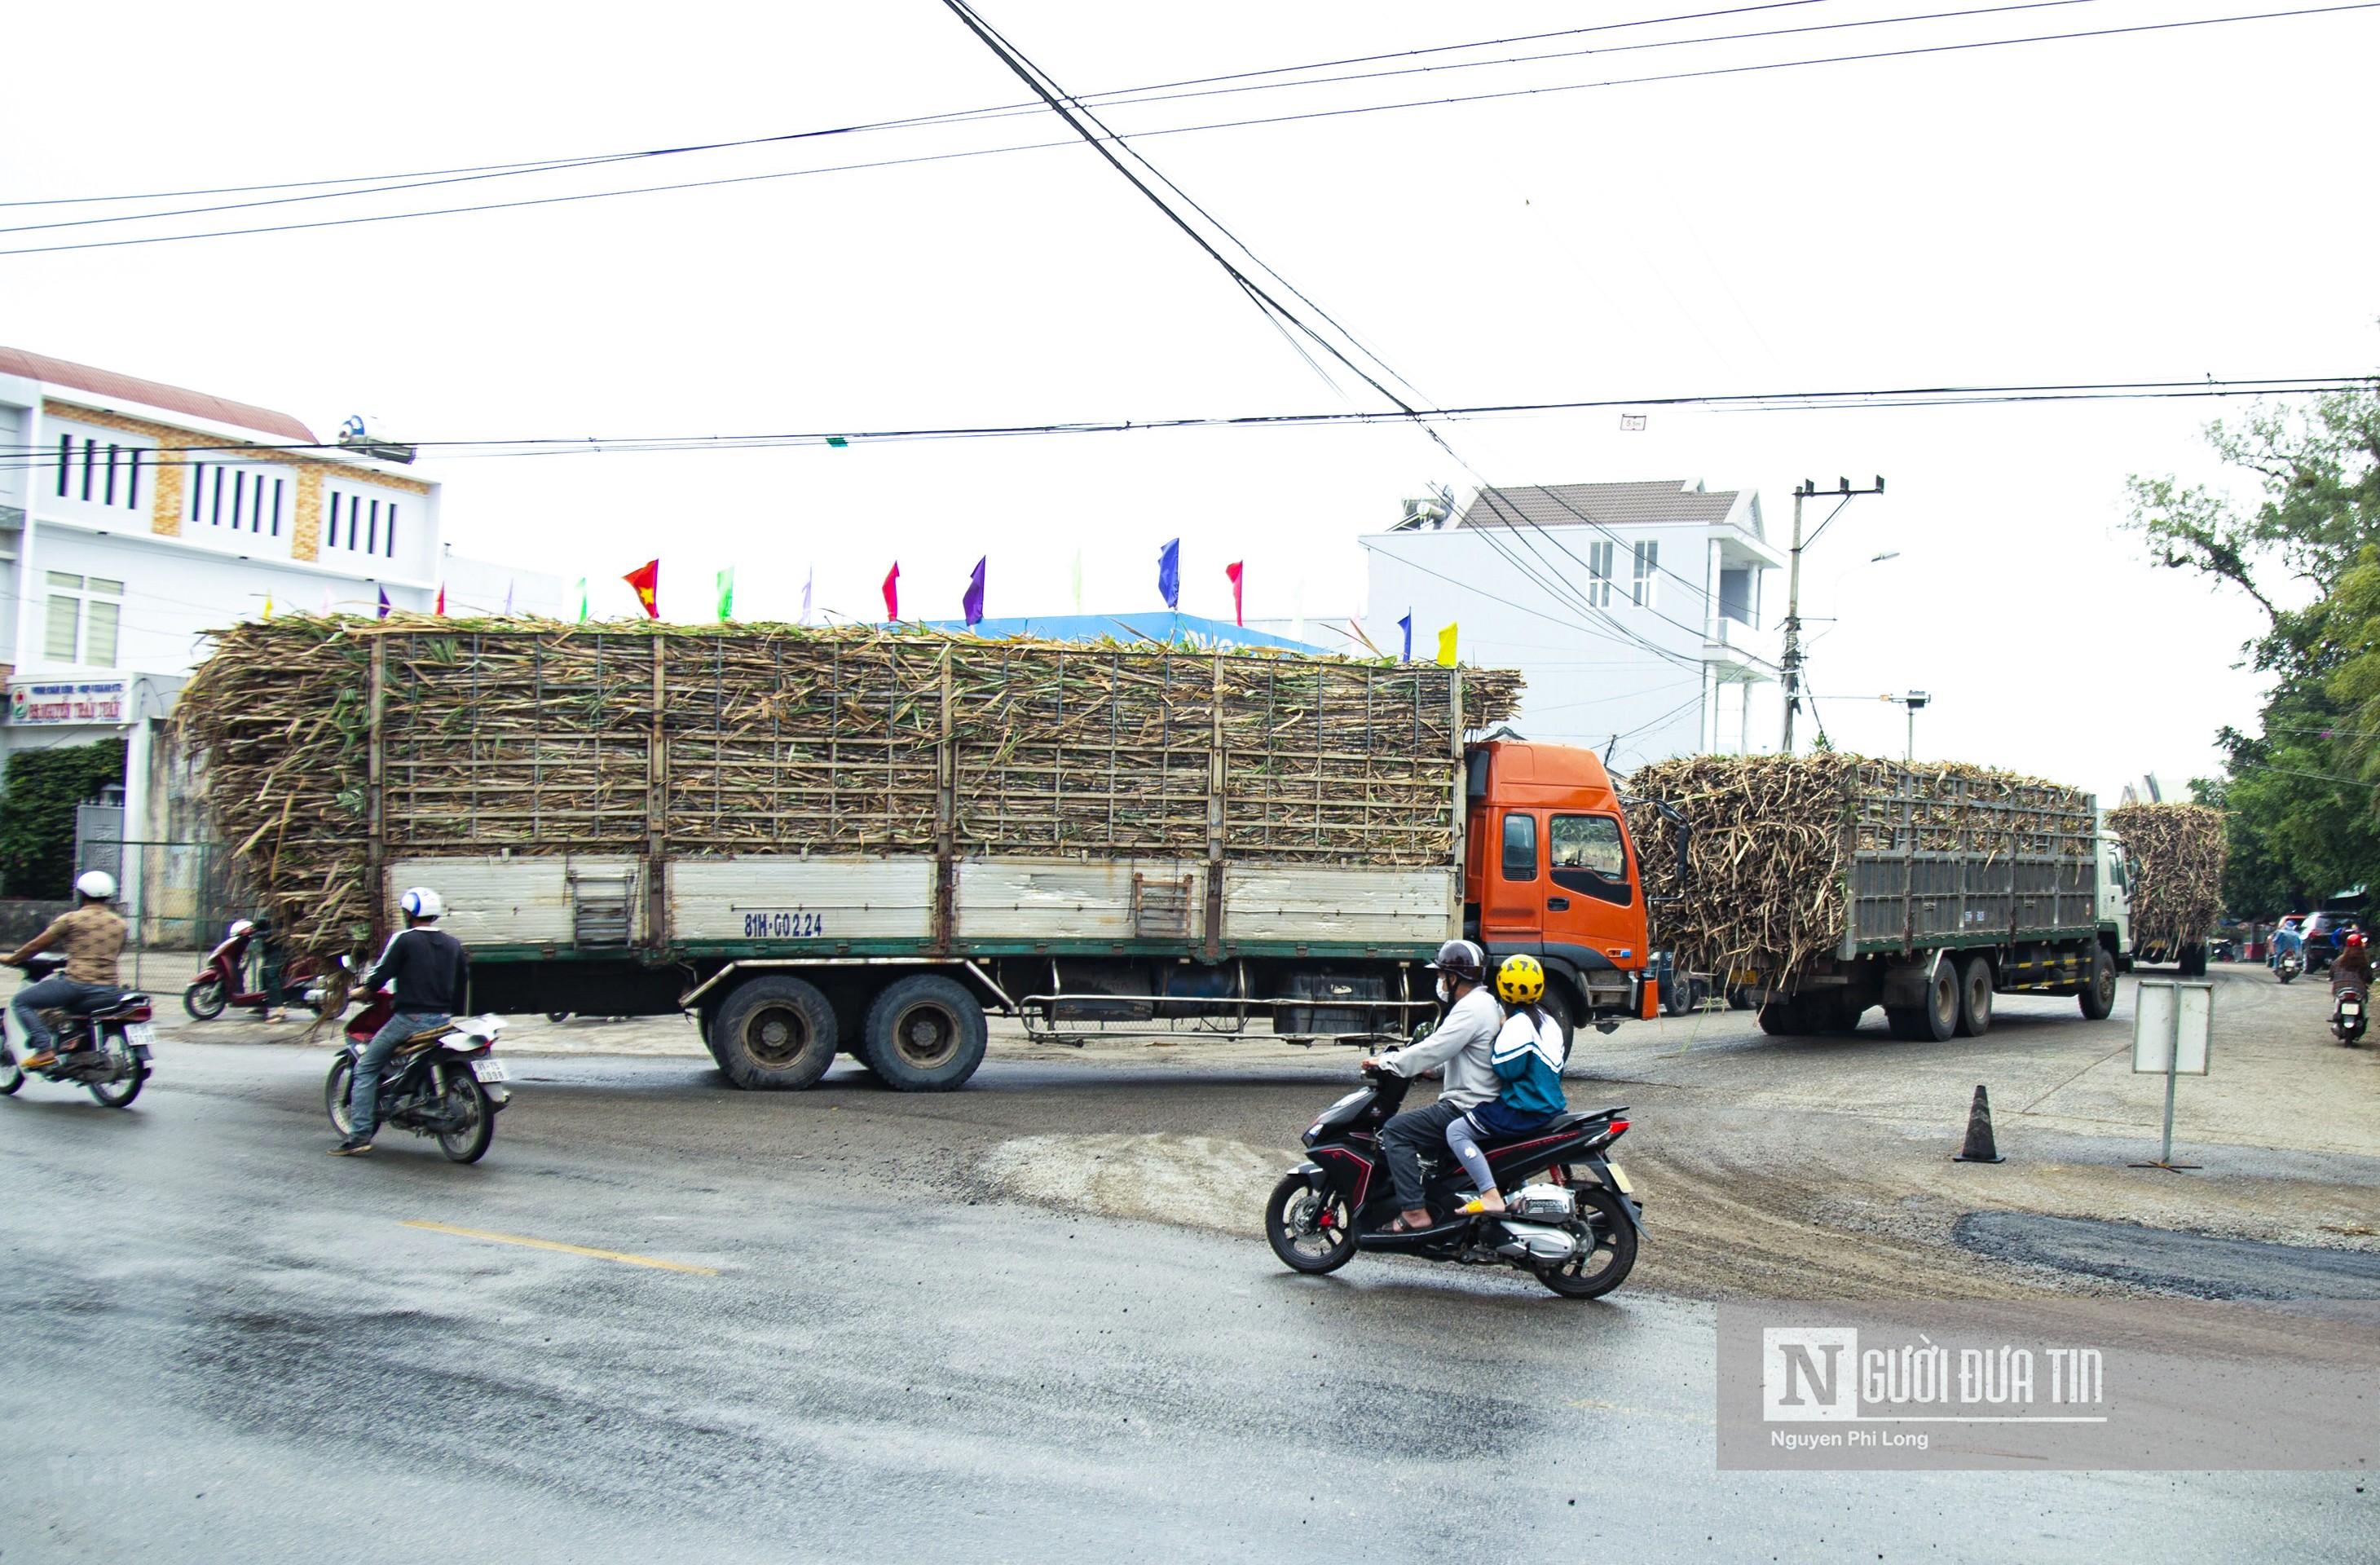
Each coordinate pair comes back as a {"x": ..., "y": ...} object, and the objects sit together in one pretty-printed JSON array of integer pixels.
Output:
[
  {"x": 1571, "y": 1219},
  {"x": 2350, "y": 1012},
  {"x": 440, "y": 1082},
  {"x": 104, "y": 1049}
]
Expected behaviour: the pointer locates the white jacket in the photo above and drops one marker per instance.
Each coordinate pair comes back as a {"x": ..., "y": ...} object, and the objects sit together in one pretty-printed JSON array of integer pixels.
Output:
[{"x": 1466, "y": 1044}]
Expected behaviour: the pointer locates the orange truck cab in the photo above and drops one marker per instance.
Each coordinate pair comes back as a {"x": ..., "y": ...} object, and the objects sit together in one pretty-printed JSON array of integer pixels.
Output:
[{"x": 1549, "y": 869}]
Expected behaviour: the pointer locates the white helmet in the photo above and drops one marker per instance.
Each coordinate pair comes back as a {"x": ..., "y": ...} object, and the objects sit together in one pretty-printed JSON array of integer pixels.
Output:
[
  {"x": 97, "y": 884},
  {"x": 240, "y": 926},
  {"x": 421, "y": 901}
]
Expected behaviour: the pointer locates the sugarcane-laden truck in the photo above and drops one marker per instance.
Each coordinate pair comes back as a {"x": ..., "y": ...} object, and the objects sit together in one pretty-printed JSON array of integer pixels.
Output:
[
  {"x": 863, "y": 842},
  {"x": 1825, "y": 886}
]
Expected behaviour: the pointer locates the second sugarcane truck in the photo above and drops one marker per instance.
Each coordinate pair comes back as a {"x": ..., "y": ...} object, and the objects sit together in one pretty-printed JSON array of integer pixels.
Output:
[{"x": 861, "y": 841}]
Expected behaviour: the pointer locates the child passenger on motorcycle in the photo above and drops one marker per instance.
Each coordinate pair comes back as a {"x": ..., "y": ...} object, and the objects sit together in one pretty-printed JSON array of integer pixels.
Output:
[{"x": 1528, "y": 1060}]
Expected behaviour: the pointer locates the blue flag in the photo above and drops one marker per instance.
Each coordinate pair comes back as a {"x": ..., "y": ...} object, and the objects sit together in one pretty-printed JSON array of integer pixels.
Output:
[
  {"x": 1405, "y": 625},
  {"x": 384, "y": 602},
  {"x": 1169, "y": 573},
  {"x": 973, "y": 602}
]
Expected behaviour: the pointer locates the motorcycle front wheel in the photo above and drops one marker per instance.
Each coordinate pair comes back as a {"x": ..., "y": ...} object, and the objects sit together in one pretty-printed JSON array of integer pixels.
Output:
[
  {"x": 203, "y": 999},
  {"x": 12, "y": 1076},
  {"x": 465, "y": 1105},
  {"x": 335, "y": 1088},
  {"x": 1607, "y": 1252},
  {"x": 1310, "y": 1230}
]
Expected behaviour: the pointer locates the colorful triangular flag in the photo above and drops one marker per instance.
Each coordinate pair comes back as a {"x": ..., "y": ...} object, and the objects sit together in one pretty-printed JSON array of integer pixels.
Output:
[
  {"x": 973, "y": 602},
  {"x": 1232, "y": 570},
  {"x": 1169, "y": 573},
  {"x": 893, "y": 594},
  {"x": 384, "y": 602},
  {"x": 647, "y": 581},
  {"x": 1405, "y": 625},
  {"x": 726, "y": 594},
  {"x": 1446, "y": 647}
]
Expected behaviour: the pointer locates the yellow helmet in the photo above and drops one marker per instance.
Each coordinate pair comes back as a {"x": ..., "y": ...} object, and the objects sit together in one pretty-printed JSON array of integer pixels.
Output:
[{"x": 1520, "y": 980}]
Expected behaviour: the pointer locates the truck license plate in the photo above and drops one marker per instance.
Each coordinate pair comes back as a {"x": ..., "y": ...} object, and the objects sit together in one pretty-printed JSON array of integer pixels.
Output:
[
  {"x": 487, "y": 1070},
  {"x": 139, "y": 1034},
  {"x": 783, "y": 924}
]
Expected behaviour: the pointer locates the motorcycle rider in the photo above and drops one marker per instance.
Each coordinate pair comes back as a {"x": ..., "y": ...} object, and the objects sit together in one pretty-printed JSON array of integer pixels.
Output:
[
  {"x": 432, "y": 975},
  {"x": 1528, "y": 1061},
  {"x": 1465, "y": 1043},
  {"x": 93, "y": 936},
  {"x": 2353, "y": 968}
]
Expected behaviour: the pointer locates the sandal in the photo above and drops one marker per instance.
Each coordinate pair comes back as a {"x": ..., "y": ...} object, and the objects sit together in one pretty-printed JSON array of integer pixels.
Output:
[{"x": 1401, "y": 1226}]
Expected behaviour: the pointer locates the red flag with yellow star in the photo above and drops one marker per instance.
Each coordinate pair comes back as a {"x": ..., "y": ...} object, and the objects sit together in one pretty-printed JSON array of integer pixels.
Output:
[{"x": 646, "y": 580}]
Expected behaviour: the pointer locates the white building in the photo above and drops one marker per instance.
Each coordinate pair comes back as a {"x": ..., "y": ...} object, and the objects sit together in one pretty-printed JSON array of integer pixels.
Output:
[
  {"x": 135, "y": 516},
  {"x": 1639, "y": 612}
]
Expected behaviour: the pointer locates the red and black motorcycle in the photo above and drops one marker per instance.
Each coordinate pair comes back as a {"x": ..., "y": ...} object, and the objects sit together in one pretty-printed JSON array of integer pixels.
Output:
[
  {"x": 443, "y": 1082},
  {"x": 1571, "y": 1219},
  {"x": 224, "y": 980}
]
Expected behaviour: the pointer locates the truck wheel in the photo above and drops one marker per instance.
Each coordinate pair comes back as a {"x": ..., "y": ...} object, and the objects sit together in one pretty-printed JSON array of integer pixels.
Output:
[
  {"x": 1783, "y": 1018},
  {"x": 1557, "y": 1003},
  {"x": 925, "y": 1033},
  {"x": 1940, "y": 1014},
  {"x": 1976, "y": 997},
  {"x": 1907, "y": 1022},
  {"x": 773, "y": 1034},
  {"x": 2099, "y": 990},
  {"x": 2193, "y": 961}
]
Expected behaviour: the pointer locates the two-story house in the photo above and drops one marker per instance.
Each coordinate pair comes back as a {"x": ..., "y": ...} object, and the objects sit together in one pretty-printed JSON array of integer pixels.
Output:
[{"x": 1637, "y": 611}]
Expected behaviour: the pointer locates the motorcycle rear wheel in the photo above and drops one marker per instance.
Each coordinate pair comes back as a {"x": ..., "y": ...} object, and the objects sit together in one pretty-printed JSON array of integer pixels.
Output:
[
  {"x": 12, "y": 1076},
  {"x": 1293, "y": 1218},
  {"x": 1601, "y": 1266},
  {"x": 335, "y": 1088},
  {"x": 203, "y": 999},
  {"x": 467, "y": 1101},
  {"x": 119, "y": 1092}
]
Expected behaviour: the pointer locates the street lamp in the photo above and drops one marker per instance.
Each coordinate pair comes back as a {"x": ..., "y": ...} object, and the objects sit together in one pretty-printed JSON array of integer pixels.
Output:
[{"x": 1911, "y": 699}]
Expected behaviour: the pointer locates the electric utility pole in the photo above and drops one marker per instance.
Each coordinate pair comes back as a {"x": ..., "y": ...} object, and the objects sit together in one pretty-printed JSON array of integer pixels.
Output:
[{"x": 1791, "y": 666}]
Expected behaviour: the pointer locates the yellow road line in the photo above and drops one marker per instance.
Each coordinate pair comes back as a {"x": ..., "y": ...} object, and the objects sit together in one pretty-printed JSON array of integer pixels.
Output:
[{"x": 620, "y": 1255}]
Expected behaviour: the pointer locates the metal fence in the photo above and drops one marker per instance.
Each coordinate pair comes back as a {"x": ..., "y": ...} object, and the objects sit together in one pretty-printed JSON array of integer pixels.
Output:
[{"x": 177, "y": 895}]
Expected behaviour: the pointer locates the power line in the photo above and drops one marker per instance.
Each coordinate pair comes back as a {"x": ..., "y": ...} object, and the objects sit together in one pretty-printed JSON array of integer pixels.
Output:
[
  {"x": 1256, "y": 122},
  {"x": 20, "y": 457}
]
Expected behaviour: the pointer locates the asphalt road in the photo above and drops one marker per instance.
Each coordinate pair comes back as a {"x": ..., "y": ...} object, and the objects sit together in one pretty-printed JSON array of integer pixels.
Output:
[{"x": 228, "y": 1345}]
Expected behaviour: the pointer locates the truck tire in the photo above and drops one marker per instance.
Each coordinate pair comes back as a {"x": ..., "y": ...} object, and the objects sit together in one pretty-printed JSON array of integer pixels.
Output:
[
  {"x": 2098, "y": 997},
  {"x": 925, "y": 1033},
  {"x": 1940, "y": 1014},
  {"x": 1975, "y": 996},
  {"x": 773, "y": 1034},
  {"x": 1564, "y": 1011},
  {"x": 2193, "y": 961},
  {"x": 1784, "y": 1018}
]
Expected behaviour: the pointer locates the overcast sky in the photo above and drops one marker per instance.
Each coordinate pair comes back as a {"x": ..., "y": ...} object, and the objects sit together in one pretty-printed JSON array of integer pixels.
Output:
[{"x": 2182, "y": 204}]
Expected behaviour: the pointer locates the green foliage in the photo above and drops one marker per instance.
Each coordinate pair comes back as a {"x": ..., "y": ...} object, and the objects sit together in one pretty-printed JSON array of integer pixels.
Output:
[
  {"x": 37, "y": 813},
  {"x": 2300, "y": 790}
]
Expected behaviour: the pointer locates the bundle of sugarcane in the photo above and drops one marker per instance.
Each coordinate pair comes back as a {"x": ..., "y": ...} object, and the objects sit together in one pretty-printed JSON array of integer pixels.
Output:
[
  {"x": 2177, "y": 853},
  {"x": 536, "y": 738},
  {"x": 1772, "y": 840}
]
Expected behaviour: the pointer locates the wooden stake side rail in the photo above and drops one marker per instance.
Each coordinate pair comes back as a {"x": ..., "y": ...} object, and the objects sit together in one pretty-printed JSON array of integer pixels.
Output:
[{"x": 376, "y": 740}]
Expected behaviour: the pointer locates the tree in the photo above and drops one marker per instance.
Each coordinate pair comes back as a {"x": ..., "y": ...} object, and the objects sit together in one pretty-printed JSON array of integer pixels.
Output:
[
  {"x": 37, "y": 813},
  {"x": 2301, "y": 790}
]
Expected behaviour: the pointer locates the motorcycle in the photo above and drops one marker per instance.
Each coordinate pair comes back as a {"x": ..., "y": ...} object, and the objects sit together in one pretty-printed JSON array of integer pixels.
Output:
[
  {"x": 2289, "y": 965},
  {"x": 440, "y": 1083},
  {"x": 222, "y": 982},
  {"x": 2350, "y": 1008},
  {"x": 1571, "y": 1219},
  {"x": 104, "y": 1050}
]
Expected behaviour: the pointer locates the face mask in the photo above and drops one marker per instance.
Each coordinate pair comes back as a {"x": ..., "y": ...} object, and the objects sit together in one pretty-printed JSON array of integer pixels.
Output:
[{"x": 1445, "y": 990}]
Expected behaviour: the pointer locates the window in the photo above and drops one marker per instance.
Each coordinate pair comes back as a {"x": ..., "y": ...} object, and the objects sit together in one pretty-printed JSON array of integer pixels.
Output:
[
  {"x": 243, "y": 498},
  {"x": 1520, "y": 846},
  {"x": 1598, "y": 576},
  {"x": 364, "y": 526},
  {"x": 1589, "y": 855},
  {"x": 1735, "y": 595},
  {"x": 100, "y": 472},
  {"x": 85, "y": 613},
  {"x": 1648, "y": 565}
]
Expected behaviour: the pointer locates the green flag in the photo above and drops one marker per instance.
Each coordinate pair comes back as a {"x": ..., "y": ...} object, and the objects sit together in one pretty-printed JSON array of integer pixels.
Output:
[
  {"x": 582, "y": 600},
  {"x": 726, "y": 594}
]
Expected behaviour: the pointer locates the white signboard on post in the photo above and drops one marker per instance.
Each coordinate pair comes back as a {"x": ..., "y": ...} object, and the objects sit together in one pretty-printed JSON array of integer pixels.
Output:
[
  {"x": 35, "y": 703},
  {"x": 2173, "y": 1028}
]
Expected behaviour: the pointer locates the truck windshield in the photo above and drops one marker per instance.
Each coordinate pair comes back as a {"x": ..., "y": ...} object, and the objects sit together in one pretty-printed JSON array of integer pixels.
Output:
[{"x": 1588, "y": 856}]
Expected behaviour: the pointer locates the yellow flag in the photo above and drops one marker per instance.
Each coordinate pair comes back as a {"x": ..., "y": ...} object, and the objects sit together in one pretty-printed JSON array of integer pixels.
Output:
[{"x": 1446, "y": 647}]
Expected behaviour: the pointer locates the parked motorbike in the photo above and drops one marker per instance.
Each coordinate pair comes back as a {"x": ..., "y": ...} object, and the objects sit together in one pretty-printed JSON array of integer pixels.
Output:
[
  {"x": 440, "y": 1082},
  {"x": 2289, "y": 966},
  {"x": 2350, "y": 1011},
  {"x": 223, "y": 981},
  {"x": 104, "y": 1050},
  {"x": 1572, "y": 1219}
]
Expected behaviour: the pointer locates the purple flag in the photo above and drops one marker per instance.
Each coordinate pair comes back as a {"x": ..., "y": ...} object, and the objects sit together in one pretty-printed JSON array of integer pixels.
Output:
[
  {"x": 384, "y": 602},
  {"x": 973, "y": 602},
  {"x": 1169, "y": 573}
]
